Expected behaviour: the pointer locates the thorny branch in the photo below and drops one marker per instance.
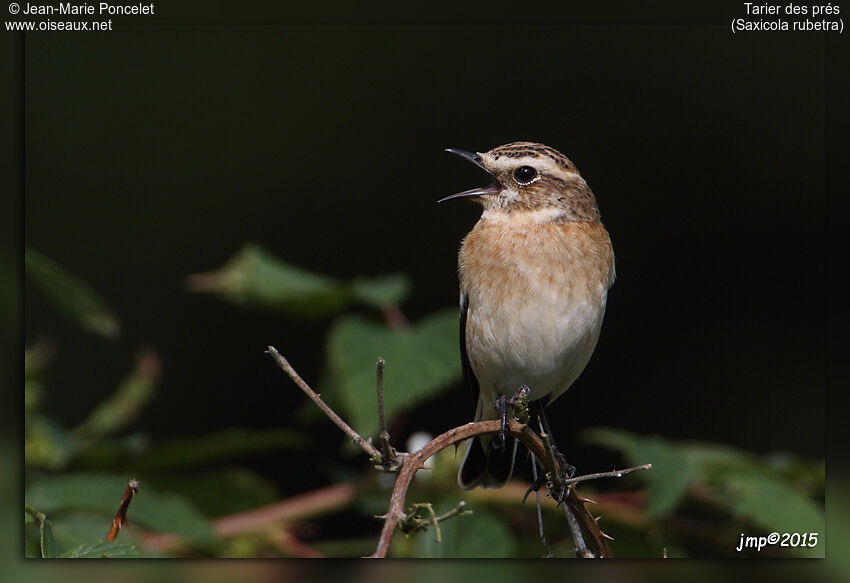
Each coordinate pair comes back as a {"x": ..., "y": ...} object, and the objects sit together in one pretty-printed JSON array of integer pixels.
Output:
[{"x": 577, "y": 514}]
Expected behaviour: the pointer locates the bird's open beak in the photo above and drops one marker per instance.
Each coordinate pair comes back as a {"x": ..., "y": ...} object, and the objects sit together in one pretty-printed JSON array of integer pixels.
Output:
[{"x": 493, "y": 188}]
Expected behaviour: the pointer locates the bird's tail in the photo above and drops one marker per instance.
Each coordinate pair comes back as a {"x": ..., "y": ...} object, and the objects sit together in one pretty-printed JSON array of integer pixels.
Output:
[{"x": 483, "y": 466}]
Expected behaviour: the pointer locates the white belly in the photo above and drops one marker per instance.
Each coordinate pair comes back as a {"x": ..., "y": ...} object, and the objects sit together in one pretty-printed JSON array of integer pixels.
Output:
[{"x": 540, "y": 339}]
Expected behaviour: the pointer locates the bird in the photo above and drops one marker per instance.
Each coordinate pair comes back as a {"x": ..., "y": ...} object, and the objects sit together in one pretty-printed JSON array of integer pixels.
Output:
[{"x": 534, "y": 274}]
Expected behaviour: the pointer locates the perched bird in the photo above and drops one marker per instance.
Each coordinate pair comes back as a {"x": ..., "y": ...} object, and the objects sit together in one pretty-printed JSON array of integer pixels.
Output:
[{"x": 535, "y": 271}]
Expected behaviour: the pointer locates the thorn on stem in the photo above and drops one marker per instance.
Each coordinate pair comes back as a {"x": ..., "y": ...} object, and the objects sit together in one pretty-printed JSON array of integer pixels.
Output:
[{"x": 121, "y": 515}]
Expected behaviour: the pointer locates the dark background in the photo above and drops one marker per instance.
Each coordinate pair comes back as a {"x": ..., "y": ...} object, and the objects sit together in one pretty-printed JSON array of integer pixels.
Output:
[{"x": 156, "y": 152}]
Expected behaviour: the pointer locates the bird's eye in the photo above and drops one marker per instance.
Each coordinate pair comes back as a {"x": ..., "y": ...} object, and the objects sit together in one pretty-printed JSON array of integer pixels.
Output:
[{"x": 525, "y": 174}]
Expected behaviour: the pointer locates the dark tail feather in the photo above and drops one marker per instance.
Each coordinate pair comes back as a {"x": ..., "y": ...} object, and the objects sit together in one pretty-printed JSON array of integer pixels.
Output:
[{"x": 482, "y": 466}]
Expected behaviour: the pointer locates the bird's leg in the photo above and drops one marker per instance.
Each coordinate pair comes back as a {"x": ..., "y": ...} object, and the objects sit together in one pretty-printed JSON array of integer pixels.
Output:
[
  {"x": 501, "y": 405},
  {"x": 565, "y": 469},
  {"x": 518, "y": 406}
]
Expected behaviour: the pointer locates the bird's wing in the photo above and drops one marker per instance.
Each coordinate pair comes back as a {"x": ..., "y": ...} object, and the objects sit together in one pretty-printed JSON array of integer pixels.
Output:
[{"x": 468, "y": 373}]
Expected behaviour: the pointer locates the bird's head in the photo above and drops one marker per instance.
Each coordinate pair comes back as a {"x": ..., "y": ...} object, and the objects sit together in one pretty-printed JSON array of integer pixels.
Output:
[{"x": 526, "y": 176}]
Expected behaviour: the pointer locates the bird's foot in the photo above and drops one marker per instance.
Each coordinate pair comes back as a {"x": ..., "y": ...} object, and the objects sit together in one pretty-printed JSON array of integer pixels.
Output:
[
  {"x": 519, "y": 402},
  {"x": 565, "y": 472},
  {"x": 535, "y": 487},
  {"x": 517, "y": 406},
  {"x": 558, "y": 488},
  {"x": 499, "y": 440}
]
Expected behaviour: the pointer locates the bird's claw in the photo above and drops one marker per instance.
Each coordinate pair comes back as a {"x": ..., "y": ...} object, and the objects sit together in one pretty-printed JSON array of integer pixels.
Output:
[
  {"x": 535, "y": 487},
  {"x": 565, "y": 472},
  {"x": 517, "y": 405}
]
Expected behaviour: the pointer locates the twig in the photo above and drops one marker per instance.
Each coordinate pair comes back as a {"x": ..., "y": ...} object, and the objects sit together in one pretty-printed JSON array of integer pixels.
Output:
[
  {"x": 413, "y": 522},
  {"x": 540, "y": 509},
  {"x": 389, "y": 459},
  {"x": 458, "y": 510},
  {"x": 287, "y": 368},
  {"x": 395, "y": 318},
  {"x": 121, "y": 516},
  {"x": 611, "y": 474},
  {"x": 307, "y": 505},
  {"x": 292, "y": 545},
  {"x": 600, "y": 544},
  {"x": 554, "y": 475},
  {"x": 581, "y": 547}
]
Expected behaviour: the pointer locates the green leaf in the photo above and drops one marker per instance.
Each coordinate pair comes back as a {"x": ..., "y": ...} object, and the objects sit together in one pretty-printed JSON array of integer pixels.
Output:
[
  {"x": 32, "y": 396},
  {"x": 102, "y": 492},
  {"x": 754, "y": 489},
  {"x": 255, "y": 278},
  {"x": 72, "y": 528},
  {"x": 102, "y": 550},
  {"x": 672, "y": 471},
  {"x": 473, "y": 536},
  {"x": 70, "y": 295},
  {"x": 421, "y": 361},
  {"x": 47, "y": 542},
  {"x": 716, "y": 459},
  {"x": 36, "y": 358},
  {"x": 47, "y": 444},
  {"x": 49, "y": 548},
  {"x": 382, "y": 291},
  {"x": 740, "y": 481},
  {"x": 125, "y": 404},
  {"x": 768, "y": 502}
]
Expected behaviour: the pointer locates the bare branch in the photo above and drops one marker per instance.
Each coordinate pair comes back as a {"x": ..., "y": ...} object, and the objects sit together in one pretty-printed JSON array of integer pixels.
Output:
[
  {"x": 299, "y": 507},
  {"x": 539, "y": 509},
  {"x": 292, "y": 545},
  {"x": 389, "y": 459},
  {"x": 611, "y": 474},
  {"x": 581, "y": 547},
  {"x": 287, "y": 368},
  {"x": 394, "y": 317}
]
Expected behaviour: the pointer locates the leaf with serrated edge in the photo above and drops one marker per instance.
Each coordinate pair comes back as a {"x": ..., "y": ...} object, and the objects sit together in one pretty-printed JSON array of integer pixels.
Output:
[
  {"x": 102, "y": 550},
  {"x": 421, "y": 361}
]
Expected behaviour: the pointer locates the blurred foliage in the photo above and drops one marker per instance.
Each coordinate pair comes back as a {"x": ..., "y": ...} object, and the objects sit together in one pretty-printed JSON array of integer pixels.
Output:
[
  {"x": 776, "y": 494},
  {"x": 698, "y": 499},
  {"x": 255, "y": 278},
  {"x": 72, "y": 488},
  {"x": 422, "y": 358},
  {"x": 71, "y": 296}
]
